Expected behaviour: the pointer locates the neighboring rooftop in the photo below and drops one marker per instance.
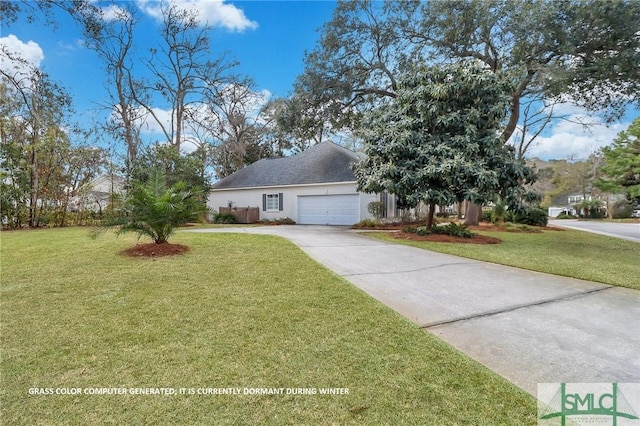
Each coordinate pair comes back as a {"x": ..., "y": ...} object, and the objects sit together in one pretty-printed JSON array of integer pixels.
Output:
[{"x": 322, "y": 163}]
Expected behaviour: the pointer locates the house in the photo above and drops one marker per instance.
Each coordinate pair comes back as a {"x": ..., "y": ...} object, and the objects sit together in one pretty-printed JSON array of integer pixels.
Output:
[
  {"x": 316, "y": 186},
  {"x": 96, "y": 195},
  {"x": 572, "y": 200}
]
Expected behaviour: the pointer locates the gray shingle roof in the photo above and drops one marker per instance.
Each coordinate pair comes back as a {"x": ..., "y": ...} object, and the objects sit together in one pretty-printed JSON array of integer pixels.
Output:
[{"x": 325, "y": 162}]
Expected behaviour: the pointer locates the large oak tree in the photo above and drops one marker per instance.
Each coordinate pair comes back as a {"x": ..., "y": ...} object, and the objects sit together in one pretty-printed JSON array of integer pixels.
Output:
[{"x": 585, "y": 52}]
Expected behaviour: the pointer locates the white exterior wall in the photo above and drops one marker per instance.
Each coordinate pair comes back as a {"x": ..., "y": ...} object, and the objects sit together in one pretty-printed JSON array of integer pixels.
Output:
[
  {"x": 252, "y": 197},
  {"x": 556, "y": 211}
]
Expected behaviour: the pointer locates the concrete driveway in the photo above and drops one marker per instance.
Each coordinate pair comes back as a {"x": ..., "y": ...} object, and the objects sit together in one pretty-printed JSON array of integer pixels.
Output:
[
  {"x": 526, "y": 326},
  {"x": 625, "y": 231}
]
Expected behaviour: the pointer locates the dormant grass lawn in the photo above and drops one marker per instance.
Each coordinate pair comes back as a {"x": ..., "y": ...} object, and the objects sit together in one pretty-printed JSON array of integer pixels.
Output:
[
  {"x": 569, "y": 253},
  {"x": 240, "y": 311}
]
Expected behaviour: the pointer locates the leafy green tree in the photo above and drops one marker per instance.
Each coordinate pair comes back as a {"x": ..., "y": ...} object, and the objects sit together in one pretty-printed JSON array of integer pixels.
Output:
[
  {"x": 40, "y": 166},
  {"x": 590, "y": 208},
  {"x": 587, "y": 49},
  {"x": 14, "y": 165},
  {"x": 188, "y": 168},
  {"x": 585, "y": 52},
  {"x": 438, "y": 142},
  {"x": 621, "y": 168},
  {"x": 154, "y": 209}
]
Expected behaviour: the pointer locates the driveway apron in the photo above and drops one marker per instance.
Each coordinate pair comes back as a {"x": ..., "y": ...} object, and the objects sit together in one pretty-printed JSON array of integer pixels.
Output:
[{"x": 527, "y": 326}]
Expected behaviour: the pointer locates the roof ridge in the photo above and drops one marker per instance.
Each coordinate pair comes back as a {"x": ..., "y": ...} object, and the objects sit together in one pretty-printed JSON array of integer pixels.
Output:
[{"x": 326, "y": 162}]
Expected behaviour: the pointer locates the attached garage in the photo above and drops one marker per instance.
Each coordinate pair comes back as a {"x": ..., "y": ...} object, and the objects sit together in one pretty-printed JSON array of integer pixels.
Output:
[
  {"x": 316, "y": 186},
  {"x": 341, "y": 209}
]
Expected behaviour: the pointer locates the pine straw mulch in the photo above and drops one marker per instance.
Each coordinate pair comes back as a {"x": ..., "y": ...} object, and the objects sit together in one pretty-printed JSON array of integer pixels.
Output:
[
  {"x": 155, "y": 250},
  {"x": 443, "y": 238}
]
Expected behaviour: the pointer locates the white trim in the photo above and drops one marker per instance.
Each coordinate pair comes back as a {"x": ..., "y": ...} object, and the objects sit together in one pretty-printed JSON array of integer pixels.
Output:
[{"x": 272, "y": 196}]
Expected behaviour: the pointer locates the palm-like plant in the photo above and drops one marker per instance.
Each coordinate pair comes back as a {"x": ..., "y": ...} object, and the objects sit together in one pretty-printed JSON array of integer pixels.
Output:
[
  {"x": 588, "y": 207},
  {"x": 154, "y": 209}
]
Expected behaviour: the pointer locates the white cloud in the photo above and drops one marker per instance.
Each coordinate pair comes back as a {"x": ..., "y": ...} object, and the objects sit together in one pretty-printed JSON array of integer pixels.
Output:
[
  {"x": 68, "y": 48},
  {"x": 151, "y": 126},
  {"x": 152, "y": 129},
  {"x": 13, "y": 48},
  {"x": 216, "y": 13},
  {"x": 255, "y": 101},
  {"x": 573, "y": 133},
  {"x": 151, "y": 8},
  {"x": 571, "y": 140},
  {"x": 114, "y": 13},
  {"x": 19, "y": 59}
]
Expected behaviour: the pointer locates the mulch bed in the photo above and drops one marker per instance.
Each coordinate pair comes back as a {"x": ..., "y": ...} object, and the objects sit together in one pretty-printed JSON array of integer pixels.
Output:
[
  {"x": 443, "y": 238},
  {"x": 487, "y": 226},
  {"x": 155, "y": 250}
]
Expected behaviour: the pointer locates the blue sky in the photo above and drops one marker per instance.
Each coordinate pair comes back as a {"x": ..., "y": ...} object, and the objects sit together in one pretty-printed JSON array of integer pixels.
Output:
[
  {"x": 270, "y": 50},
  {"x": 268, "y": 38}
]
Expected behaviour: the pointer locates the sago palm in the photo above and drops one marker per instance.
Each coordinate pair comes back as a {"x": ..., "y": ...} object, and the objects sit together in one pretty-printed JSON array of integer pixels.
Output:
[{"x": 154, "y": 209}]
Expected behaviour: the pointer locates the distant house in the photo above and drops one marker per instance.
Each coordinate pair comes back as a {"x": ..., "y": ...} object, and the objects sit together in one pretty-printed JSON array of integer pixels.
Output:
[
  {"x": 316, "y": 186},
  {"x": 557, "y": 211},
  {"x": 574, "y": 199},
  {"x": 96, "y": 195},
  {"x": 578, "y": 198}
]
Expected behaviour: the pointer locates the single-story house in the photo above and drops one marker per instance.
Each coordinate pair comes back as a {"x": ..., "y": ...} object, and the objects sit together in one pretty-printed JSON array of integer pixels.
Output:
[{"x": 316, "y": 186}]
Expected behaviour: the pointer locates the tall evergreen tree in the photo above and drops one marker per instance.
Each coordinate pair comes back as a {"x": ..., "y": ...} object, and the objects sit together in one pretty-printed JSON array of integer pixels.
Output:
[{"x": 438, "y": 140}]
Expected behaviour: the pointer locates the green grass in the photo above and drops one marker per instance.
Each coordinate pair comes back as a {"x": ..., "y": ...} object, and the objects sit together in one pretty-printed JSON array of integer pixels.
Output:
[
  {"x": 236, "y": 311},
  {"x": 568, "y": 253}
]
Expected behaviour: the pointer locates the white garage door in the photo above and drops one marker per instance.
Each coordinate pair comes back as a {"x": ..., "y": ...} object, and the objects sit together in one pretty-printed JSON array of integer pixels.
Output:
[{"x": 328, "y": 209}]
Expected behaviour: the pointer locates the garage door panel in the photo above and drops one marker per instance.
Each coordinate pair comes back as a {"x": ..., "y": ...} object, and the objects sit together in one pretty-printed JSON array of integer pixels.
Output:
[{"x": 343, "y": 209}]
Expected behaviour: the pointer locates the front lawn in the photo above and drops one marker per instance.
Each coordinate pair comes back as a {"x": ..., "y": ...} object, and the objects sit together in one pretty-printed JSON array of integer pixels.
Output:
[
  {"x": 569, "y": 253},
  {"x": 236, "y": 311}
]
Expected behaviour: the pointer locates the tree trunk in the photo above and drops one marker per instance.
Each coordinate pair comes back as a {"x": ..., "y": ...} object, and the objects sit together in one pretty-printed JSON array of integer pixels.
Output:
[
  {"x": 459, "y": 211},
  {"x": 430, "y": 214},
  {"x": 473, "y": 214},
  {"x": 33, "y": 185}
]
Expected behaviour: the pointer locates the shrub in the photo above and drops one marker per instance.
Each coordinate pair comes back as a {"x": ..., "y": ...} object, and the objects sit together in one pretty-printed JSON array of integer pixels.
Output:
[
  {"x": 365, "y": 223},
  {"x": 418, "y": 230},
  {"x": 537, "y": 217},
  {"x": 486, "y": 215},
  {"x": 498, "y": 213},
  {"x": 596, "y": 213},
  {"x": 623, "y": 211},
  {"x": 224, "y": 218},
  {"x": 280, "y": 221},
  {"x": 376, "y": 209},
  {"x": 284, "y": 221},
  {"x": 453, "y": 229},
  {"x": 529, "y": 216},
  {"x": 565, "y": 216}
]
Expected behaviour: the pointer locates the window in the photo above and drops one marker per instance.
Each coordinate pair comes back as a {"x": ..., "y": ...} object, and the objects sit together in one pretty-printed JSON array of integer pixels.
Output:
[{"x": 272, "y": 202}]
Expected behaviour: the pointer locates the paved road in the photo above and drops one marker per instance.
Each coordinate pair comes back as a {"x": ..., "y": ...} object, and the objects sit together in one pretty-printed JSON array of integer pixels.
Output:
[
  {"x": 626, "y": 231},
  {"x": 526, "y": 326}
]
